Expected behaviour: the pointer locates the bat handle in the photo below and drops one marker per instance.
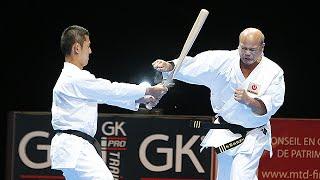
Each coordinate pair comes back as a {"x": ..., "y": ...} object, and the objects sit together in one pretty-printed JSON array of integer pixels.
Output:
[{"x": 168, "y": 82}]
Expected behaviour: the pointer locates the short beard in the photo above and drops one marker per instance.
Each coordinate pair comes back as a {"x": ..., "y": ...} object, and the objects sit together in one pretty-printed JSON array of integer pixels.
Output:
[{"x": 246, "y": 62}]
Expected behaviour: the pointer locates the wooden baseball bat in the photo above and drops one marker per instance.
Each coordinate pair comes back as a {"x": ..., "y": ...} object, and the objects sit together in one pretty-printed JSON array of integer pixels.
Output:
[{"x": 187, "y": 45}]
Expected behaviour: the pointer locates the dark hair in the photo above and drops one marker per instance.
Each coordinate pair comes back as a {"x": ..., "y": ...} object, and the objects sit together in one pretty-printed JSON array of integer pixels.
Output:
[{"x": 72, "y": 34}]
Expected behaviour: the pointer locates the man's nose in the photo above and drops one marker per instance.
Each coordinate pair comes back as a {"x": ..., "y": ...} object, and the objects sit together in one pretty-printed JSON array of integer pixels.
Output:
[{"x": 247, "y": 51}]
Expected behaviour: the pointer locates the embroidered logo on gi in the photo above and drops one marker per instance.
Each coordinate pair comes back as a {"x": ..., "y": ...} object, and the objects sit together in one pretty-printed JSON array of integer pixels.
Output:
[{"x": 253, "y": 88}]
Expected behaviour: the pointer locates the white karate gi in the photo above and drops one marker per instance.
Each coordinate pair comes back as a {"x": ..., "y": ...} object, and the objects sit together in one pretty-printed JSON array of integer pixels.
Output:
[
  {"x": 220, "y": 71},
  {"x": 76, "y": 96}
]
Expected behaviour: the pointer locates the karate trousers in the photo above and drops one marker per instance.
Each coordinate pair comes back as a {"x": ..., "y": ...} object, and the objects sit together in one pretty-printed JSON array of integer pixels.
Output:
[
  {"x": 244, "y": 162},
  {"x": 90, "y": 166}
]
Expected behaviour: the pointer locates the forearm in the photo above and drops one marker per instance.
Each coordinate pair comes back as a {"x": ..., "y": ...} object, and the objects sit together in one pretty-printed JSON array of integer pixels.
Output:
[{"x": 257, "y": 106}]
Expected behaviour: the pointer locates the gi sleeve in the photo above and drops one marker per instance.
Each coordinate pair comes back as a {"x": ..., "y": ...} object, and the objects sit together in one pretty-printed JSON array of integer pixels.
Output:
[
  {"x": 201, "y": 69},
  {"x": 274, "y": 96},
  {"x": 105, "y": 92}
]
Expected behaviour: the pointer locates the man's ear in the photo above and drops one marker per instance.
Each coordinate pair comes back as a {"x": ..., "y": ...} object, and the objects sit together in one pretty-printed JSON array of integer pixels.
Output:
[
  {"x": 76, "y": 48},
  {"x": 262, "y": 48}
]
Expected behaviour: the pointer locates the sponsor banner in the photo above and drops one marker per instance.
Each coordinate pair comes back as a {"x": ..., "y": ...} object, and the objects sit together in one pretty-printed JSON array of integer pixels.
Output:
[
  {"x": 28, "y": 147},
  {"x": 134, "y": 146},
  {"x": 296, "y": 150}
]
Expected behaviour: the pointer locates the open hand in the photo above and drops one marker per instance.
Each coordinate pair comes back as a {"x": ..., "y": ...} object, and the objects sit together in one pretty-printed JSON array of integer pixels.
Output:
[{"x": 157, "y": 91}]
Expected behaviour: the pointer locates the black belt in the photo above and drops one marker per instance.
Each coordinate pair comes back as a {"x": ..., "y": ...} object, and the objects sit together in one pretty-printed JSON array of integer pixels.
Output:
[
  {"x": 234, "y": 128},
  {"x": 85, "y": 136}
]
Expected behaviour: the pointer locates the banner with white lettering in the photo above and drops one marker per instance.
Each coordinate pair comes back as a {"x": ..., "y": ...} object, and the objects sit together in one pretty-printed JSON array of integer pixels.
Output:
[
  {"x": 134, "y": 146},
  {"x": 28, "y": 147},
  {"x": 296, "y": 150}
]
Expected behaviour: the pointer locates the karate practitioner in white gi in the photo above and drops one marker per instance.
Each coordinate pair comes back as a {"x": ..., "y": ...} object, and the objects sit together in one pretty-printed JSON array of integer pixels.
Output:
[
  {"x": 76, "y": 96},
  {"x": 246, "y": 88}
]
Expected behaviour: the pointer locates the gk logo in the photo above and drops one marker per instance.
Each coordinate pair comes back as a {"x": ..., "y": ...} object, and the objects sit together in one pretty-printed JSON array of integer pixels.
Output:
[
  {"x": 179, "y": 150},
  {"x": 41, "y": 147},
  {"x": 113, "y": 128}
]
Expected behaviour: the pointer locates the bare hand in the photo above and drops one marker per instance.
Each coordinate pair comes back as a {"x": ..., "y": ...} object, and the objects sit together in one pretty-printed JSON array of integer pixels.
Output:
[
  {"x": 157, "y": 91},
  {"x": 149, "y": 101},
  {"x": 241, "y": 96},
  {"x": 162, "y": 66},
  {"x": 152, "y": 104},
  {"x": 146, "y": 99}
]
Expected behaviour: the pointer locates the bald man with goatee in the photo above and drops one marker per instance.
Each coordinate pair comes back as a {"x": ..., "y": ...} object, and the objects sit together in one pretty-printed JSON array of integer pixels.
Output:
[{"x": 246, "y": 89}]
